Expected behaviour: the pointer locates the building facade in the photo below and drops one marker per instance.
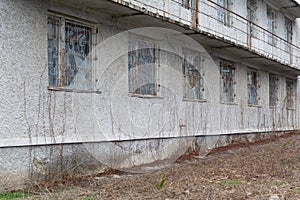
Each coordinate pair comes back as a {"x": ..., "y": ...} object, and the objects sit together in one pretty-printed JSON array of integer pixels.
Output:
[{"x": 122, "y": 83}]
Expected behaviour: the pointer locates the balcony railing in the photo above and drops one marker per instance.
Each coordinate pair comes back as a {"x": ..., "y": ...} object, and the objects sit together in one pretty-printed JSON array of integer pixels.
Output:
[{"x": 214, "y": 19}]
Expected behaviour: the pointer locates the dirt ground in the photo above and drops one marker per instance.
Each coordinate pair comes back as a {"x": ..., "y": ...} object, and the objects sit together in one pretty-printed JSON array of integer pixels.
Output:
[{"x": 266, "y": 170}]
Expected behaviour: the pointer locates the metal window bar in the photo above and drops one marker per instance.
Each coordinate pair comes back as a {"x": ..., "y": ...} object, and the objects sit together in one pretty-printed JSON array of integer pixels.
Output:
[{"x": 69, "y": 62}]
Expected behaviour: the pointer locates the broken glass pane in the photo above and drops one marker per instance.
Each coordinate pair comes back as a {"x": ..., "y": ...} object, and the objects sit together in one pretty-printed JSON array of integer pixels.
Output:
[
  {"x": 76, "y": 62},
  {"x": 193, "y": 80}
]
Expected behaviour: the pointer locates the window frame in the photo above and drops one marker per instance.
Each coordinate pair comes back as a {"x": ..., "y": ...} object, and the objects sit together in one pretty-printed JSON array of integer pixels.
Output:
[
  {"x": 232, "y": 67},
  {"x": 136, "y": 49},
  {"x": 274, "y": 90},
  {"x": 271, "y": 25},
  {"x": 288, "y": 25},
  {"x": 290, "y": 94},
  {"x": 223, "y": 12},
  {"x": 188, "y": 57},
  {"x": 188, "y": 4},
  {"x": 61, "y": 53},
  {"x": 254, "y": 84}
]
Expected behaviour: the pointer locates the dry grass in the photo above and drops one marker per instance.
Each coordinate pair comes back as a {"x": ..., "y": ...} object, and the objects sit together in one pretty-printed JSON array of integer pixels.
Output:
[{"x": 258, "y": 171}]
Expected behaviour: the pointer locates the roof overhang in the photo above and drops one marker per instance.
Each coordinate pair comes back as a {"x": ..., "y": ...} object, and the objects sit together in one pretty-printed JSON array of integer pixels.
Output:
[{"x": 290, "y": 7}]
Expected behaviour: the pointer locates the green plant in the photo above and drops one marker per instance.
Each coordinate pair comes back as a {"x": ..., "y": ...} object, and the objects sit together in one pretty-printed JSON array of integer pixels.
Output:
[
  {"x": 277, "y": 183},
  {"x": 160, "y": 184},
  {"x": 88, "y": 198},
  {"x": 12, "y": 195},
  {"x": 230, "y": 182}
]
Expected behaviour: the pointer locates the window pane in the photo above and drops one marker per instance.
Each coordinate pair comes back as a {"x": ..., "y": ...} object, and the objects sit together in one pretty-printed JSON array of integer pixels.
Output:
[
  {"x": 227, "y": 81},
  {"x": 273, "y": 90},
  {"x": 290, "y": 93},
  {"x": 77, "y": 65},
  {"x": 193, "y": 80},
  {"x": 142, "y": 67},
  {"x": 53, "y": 47},
  {"x": 252, "y": 87}
]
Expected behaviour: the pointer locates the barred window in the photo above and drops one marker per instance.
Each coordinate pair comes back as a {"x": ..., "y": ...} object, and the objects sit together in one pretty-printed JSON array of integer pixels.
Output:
[
  {"x": 252, "y": 82},
  {"x": 69, "y": 59},
  {"x": 273, "y": 90},
  {"x": 290, "y": 94},
  {"x": 227, "y": 72},
  {"x": 192, "y": 74},
  {"x": 143, "y": 59}
]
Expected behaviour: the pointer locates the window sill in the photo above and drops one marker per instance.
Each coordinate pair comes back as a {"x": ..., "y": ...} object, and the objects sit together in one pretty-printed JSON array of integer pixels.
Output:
[
  {"x": 145, "y": 96},
  {"x": 255, "y": 106},
  {"x": 195, "y": 100},
  {"x": 272, "y": 107},
  {"x": 292, "y": 109},
  {"x": 229, "y": 103},
  {"x": 73, "y": 90}
]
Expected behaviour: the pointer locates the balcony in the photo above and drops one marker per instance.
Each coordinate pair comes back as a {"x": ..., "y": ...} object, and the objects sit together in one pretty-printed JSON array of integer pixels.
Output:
[{"x": 236, "y": 36}]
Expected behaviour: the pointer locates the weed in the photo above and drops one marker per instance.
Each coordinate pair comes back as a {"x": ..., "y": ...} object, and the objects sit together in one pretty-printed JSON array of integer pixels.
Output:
[
  {"x": 12, "y": 195},
  {"x": 161, "y": 183},
  {"x": 277, "y": 183},
  {"x": 230, "y": 182},
  {"x": 88, "y": 198}
]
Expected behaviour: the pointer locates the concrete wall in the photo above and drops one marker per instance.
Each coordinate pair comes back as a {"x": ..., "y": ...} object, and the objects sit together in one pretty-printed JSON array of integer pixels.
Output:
[{"x": 45, "y": 132}]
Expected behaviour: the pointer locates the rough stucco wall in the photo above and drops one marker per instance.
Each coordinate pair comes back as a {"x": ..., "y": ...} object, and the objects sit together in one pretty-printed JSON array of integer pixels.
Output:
[
  {"x": 30, "y": 114},
  {"x": 23, "y": 65}
]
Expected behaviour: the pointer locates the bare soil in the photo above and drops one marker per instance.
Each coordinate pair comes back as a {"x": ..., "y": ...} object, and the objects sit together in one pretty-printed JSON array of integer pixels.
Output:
[{"x": 265, "y": 170}]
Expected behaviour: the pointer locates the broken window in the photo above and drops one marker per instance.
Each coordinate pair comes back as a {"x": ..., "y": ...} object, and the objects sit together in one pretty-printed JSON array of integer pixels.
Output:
[
  {"x": 224, "y": 12},
  {"x": 288, "y": 34},
  {"x": 290, "y": 94},
  {"x": 227, "y": 72},
  {"x": 142, "y": 66},
  {"x": 69, "y": 45},
  {"x": 187, "y": 3},
  {"x": 192, "y": 74},
  {"x": 271, "y": 25},
  {"x": 252, "y": 82},
  {"x": 273, "y": 90}
]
